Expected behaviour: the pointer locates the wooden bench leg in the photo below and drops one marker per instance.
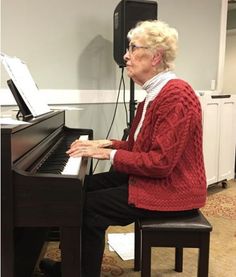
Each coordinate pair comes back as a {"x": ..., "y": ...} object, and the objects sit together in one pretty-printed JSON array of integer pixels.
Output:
[
  {"x": 203, "y": 259},
  {"x": 145, "y": 258},
  {"x": 179, "y": 259},
  {"x": 137, "y": 246}
]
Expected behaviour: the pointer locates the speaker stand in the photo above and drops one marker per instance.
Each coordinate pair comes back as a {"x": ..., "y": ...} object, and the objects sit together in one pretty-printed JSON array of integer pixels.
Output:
[{"x": 132, "y": 108}]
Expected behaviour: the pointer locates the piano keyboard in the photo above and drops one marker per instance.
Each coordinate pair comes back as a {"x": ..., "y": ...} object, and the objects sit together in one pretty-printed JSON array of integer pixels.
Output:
[
  {"x": 73, "y": 164},
  {"x": 60, "y": 163}
]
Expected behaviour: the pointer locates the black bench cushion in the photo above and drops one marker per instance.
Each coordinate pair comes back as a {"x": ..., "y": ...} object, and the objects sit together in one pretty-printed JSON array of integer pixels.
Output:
[{"x": 192, "y": 223}]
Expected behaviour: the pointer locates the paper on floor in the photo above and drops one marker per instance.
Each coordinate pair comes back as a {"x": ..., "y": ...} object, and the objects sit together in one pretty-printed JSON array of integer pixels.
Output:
[{"x": 122, "y": 244}]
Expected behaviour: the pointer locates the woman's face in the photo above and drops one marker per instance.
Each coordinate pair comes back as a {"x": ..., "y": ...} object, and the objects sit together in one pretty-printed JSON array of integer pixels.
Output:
[{"x": 139, "y": 60}]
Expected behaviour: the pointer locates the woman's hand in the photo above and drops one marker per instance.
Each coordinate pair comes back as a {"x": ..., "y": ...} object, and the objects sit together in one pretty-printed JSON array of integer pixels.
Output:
[
  {"x": 90, "y": 148},
  {"x": 78, "y": 150},
  {"x": 101, "y": 143}
]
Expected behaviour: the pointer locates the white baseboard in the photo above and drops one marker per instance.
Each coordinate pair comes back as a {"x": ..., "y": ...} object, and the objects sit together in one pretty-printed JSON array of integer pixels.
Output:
[
  {"x": 63, "y": 96},
  {"x": 76, "y": 97}
]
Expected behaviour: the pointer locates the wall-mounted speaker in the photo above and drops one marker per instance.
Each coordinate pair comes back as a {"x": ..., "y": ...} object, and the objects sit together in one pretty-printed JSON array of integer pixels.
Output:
[{"x": 126, "y": 14}]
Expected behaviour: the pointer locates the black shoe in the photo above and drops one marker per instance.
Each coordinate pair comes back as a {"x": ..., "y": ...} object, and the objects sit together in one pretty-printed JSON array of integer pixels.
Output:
[{"x": 50, "y": 268}]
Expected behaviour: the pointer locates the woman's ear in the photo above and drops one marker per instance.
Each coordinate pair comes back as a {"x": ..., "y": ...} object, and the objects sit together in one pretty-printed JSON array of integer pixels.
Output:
[{"x": 157, "y": 58}]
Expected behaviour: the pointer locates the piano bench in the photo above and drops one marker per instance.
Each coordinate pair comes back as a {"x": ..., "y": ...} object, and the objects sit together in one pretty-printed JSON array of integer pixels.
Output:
[{"x": 191, "y": 231}]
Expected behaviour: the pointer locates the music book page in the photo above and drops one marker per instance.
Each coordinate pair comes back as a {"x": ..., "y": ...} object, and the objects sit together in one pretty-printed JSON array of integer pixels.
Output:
[{"x": 20, "y": 75}]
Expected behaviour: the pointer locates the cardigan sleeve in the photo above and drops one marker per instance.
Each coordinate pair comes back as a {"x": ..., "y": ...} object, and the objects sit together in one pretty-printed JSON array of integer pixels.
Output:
[
  {"x": 128, "y": 144},
  {"x": 169, "y": 130},
  {"x": 119, "y": 144}
]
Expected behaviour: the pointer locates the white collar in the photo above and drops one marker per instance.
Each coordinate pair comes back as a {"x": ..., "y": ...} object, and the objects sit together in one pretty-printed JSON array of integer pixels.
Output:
[{"x": 154, "y": 85}]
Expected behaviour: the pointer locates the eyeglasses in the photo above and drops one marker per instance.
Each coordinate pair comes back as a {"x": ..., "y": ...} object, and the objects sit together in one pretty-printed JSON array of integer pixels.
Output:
[{"x": 132, "y": 47}]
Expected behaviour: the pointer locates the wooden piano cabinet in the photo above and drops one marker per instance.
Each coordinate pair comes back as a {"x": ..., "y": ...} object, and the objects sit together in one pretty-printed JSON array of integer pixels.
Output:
[
  {"x": 41, "y": 206},
  {"x": 28, "y": 244},
  {"x": 7, "y": 221},
  {"x": 71, "y": 251},
  {"x": 33, "y": 202},
  {"x": 52, "y": 201}
]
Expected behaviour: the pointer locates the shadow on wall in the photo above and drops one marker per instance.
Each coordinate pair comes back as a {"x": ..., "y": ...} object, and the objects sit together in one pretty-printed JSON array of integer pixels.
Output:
[{"x": 96, "y": 68}]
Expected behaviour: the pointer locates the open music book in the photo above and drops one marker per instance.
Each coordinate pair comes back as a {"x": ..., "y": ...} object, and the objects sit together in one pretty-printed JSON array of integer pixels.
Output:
[{"x": 25, "y": 85}]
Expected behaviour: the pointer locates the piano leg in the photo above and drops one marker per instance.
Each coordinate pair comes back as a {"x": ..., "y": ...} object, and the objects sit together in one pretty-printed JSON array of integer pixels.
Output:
[
  {"x": 28, "y": 244},
  {"x": 71, "y": 251}
]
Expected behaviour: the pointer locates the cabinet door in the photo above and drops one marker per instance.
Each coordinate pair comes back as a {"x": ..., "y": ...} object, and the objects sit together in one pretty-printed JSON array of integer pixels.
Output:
[
  {"x": 227, "y": 139},
  {"x": 211, "y": 132}
]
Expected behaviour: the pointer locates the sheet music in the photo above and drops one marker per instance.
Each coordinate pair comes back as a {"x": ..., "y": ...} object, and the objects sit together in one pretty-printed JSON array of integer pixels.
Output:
[{"x": 20, "y": 75}]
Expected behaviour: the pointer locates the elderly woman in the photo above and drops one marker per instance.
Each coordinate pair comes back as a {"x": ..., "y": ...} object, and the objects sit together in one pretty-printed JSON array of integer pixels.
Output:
[{"x": 159, "y": 170}]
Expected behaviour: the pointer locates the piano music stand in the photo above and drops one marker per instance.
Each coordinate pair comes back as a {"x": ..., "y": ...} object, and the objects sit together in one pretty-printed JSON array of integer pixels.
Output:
[{"x": 24, "y": 111}]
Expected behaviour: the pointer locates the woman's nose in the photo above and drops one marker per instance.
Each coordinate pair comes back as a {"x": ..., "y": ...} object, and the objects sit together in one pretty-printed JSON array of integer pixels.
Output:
[{"x": 126, "y": 55}]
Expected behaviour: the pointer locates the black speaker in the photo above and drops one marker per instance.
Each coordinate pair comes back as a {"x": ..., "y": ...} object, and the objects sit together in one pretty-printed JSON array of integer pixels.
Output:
[{"x": 126, "y": 14}]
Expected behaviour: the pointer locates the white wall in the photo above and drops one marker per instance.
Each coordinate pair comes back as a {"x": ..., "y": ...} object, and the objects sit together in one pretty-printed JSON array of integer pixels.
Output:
[
  {"x": 199, "y": 26},
  {"x": 230, "y": 63},
  {"x": 229, "y": 86},
  {"x": 68, "y": 44}
]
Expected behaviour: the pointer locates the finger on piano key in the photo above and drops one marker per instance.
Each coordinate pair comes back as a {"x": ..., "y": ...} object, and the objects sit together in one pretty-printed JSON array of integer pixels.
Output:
[{"x": 72, "y": 166}]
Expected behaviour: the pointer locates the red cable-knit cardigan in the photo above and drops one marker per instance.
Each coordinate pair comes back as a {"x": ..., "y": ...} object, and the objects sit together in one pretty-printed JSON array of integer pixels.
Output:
[{"x": 165, "y": 163}]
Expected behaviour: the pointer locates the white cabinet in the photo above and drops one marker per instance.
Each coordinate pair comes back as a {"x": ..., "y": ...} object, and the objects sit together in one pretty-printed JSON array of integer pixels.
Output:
[{"x": 218, "y": 136}]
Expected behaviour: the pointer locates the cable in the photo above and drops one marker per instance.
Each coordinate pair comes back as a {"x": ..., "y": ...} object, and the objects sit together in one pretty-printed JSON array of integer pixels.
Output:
[
  {"x": 126, "y": 111},
  {"x": 114, "y": 114},
  {"x": 117, "y": 101}
]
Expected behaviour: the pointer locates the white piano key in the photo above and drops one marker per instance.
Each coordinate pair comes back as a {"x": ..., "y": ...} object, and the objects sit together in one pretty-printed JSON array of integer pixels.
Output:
[{"x": 72, "y": 166}]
